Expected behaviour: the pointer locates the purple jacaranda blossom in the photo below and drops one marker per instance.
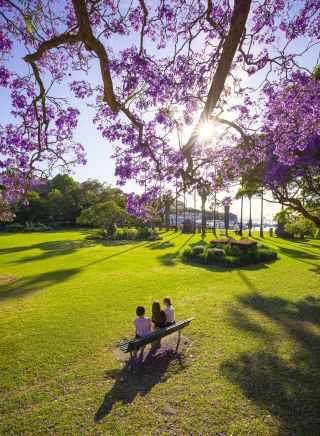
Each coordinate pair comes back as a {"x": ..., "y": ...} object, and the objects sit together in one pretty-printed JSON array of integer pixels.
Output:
[{"x": 155, "y": 86}]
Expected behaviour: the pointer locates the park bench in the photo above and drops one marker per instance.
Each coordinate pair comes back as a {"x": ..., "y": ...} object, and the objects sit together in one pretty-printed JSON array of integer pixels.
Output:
[{"x": 136, "y": 344}]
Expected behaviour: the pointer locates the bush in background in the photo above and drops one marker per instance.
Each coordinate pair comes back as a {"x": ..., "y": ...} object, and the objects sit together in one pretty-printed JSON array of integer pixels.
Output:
[
  {"x": 129, "y": 234},
  {"x": 230, "y": 255}
]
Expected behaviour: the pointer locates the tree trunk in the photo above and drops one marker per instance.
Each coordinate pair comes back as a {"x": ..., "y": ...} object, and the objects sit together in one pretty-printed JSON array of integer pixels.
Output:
[
  {"x": 250, "y": 218},
  {"x": 241, "y": 217},
  {"x": 226, "y": 218},
  {"x": 176, "y": 226},
  {"x": 203, "y": 213},
  {"x": 239, "y": 17},
  {"x": 296, "y": 204},
  {"x": 214, "y": 214},
  {"x": 261, "y": 217},
  {"x": 167, "y": 206}
]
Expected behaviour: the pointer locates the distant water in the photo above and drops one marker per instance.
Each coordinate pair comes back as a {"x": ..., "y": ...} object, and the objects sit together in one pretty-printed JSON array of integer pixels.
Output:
[{"x": 265, "y": 229}]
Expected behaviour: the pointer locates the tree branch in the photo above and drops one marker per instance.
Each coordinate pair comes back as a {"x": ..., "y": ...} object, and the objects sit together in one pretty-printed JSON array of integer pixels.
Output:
[{"x": 238, "y": 21}]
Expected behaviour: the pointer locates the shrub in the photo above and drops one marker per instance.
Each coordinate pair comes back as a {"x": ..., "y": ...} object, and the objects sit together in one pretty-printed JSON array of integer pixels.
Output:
[
  {"x": 232, "y": 250},
  {"x": 231, "y": 261},
  {"x": 231, "y": 256},
  {"x": 131, "y": 233},
  {"x": 214, "y": 254},
  {"x": 149, "y": 234},
  {"x": 154, "y": 235},
  {"x": 198, "y": 249},
  {"x": 39, "y": 227},
  {"x": 126, "y": 234},
  {"x": 15, "y": 227},
  {"x": 266, "y": 254},
  {"x": 97, "y": 234},
  {"x": 143, "y": 233},
  {"x": 187, "y": 254}
]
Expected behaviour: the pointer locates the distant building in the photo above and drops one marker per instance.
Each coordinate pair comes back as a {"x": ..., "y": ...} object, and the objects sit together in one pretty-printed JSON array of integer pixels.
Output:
[{"x": 196, "y": 216}]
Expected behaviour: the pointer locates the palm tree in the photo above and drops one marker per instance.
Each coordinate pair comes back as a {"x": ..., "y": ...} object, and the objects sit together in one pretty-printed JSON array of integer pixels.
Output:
[
  {"x": 250, "y": 217},
  {"x": 261, "y": 217},
  {"x": 239, "y": 195},
  {"x": 203, "y": 192},
  {"x": 214, "y": 213}
]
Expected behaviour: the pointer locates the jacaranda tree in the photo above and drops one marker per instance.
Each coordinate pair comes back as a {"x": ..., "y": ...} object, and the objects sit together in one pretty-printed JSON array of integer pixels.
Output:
[{"x": 165, "y": 67}]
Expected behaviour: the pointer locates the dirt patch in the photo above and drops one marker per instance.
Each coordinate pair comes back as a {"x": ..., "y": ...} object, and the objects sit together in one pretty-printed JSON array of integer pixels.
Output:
[
  {"x": 7, "y": 278},
  {"x": 167, "y": 345}
]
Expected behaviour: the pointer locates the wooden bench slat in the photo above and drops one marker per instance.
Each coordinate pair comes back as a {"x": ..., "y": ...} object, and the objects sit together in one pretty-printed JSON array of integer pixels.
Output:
[{"x": 135, "y": 344}]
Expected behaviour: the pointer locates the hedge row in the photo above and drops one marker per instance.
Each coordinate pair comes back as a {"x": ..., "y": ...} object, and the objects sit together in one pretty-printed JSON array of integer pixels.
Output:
[{"x": 132, "y": 233}]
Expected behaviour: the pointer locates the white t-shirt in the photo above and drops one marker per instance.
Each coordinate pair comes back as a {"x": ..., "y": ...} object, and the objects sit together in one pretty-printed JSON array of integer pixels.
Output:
[
  {"x": 142, "y": 326},
  {"x": 169, "y": 311}
]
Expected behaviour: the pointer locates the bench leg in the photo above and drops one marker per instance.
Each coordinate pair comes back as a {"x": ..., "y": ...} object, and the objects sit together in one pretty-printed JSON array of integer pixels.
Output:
[{"x": 178, "y": 343}]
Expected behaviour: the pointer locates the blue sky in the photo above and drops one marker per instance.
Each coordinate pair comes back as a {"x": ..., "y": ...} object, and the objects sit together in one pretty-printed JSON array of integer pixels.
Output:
[{"x": 100, "y": 164}]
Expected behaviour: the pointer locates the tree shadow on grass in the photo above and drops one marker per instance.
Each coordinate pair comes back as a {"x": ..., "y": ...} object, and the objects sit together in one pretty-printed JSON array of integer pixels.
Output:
[
  {"x": 302, "y": 255},
  {"x": 287, "y": 386},
  {"x": 299, "y": 245},
  {"x": 130, "y": 384},
  {"x": 297, "y": 254},
  {"x": 50, "y": 249},
  {"x": 64, "y": 247},
  {"x": 27, "y": 285},
  {"x": 171, "y": 259},
  {"x": 219, "y": 268},
  {"x": 161, "y": 245},
  {"x": 316, "y": 269}
]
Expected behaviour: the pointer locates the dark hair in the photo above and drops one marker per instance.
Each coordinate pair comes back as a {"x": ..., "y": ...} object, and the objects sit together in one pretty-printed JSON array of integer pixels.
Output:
[
  {"x": 140, "y": 311},
  {"x": 167, "y": 300},
  {"x": 158, "y": 315}
]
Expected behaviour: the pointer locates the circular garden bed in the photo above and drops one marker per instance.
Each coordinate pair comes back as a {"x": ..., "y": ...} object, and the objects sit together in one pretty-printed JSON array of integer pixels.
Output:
[{"x": 230, "y": 253}]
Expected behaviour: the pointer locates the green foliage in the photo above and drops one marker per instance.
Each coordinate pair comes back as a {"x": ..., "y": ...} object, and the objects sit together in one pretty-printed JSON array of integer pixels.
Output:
[
  {"x": 232, "y": 250},
  {"x": 103, "y": 215},
  {"x": 126, "y": 233},
  {"x": 61, "y": 201},
  {"x": 28, "y": 227},
  {"x": 154, "y": 235},
  {"x": 266, "y": 254},
  {"x": 62, "y": 182},
  {"x": 301, "y": 227},
  {"x": 231, "y": 261},
  {"x": 229, "y": 255},
  {"x": 198, "y": 249},
  {"x": 187, "y": 253},
  {"x": 214, "y": 254},
  {"x": 15, "y": 227},
  {"x": 316, "y": 73},
  {"x": 294, "y": 224},
  {"x": 36, "y": 211}
]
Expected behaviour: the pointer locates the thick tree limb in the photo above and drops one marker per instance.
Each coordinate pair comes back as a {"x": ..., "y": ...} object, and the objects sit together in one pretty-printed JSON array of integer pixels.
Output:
[
  {"x": 95, "y": 45},
  {"x": 237, "y": 26},
  {"x": 244, "y": 136},
  {"x": 55, "y": 42},
  {"x": 296, "y": 204}
]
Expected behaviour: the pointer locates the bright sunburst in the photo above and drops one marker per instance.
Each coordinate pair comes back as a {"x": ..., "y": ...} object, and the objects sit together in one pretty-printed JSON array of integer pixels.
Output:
[{"x": 206, "y": 130}]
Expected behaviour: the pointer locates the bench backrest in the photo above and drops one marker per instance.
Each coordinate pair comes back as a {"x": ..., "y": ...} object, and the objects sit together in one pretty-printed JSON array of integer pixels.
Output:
[{"x": 135, "y": 344}]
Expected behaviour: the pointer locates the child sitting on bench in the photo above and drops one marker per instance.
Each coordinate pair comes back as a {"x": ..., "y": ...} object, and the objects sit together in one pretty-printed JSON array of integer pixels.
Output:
[
  {"x": 142, "y": 324},
  {"x": 169, "y": 311}
]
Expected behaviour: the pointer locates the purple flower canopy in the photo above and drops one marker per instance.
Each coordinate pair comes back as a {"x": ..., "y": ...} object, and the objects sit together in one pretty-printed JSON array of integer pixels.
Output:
[{"x": 160, "y": 73}]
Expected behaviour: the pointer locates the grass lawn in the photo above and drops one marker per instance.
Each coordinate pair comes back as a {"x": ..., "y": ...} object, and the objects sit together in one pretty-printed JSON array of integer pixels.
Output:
[{"x": 65, "y": 302}]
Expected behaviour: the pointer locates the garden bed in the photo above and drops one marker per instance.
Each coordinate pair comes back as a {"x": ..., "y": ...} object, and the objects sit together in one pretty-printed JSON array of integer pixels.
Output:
[{"x": 230, "y": 253}]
